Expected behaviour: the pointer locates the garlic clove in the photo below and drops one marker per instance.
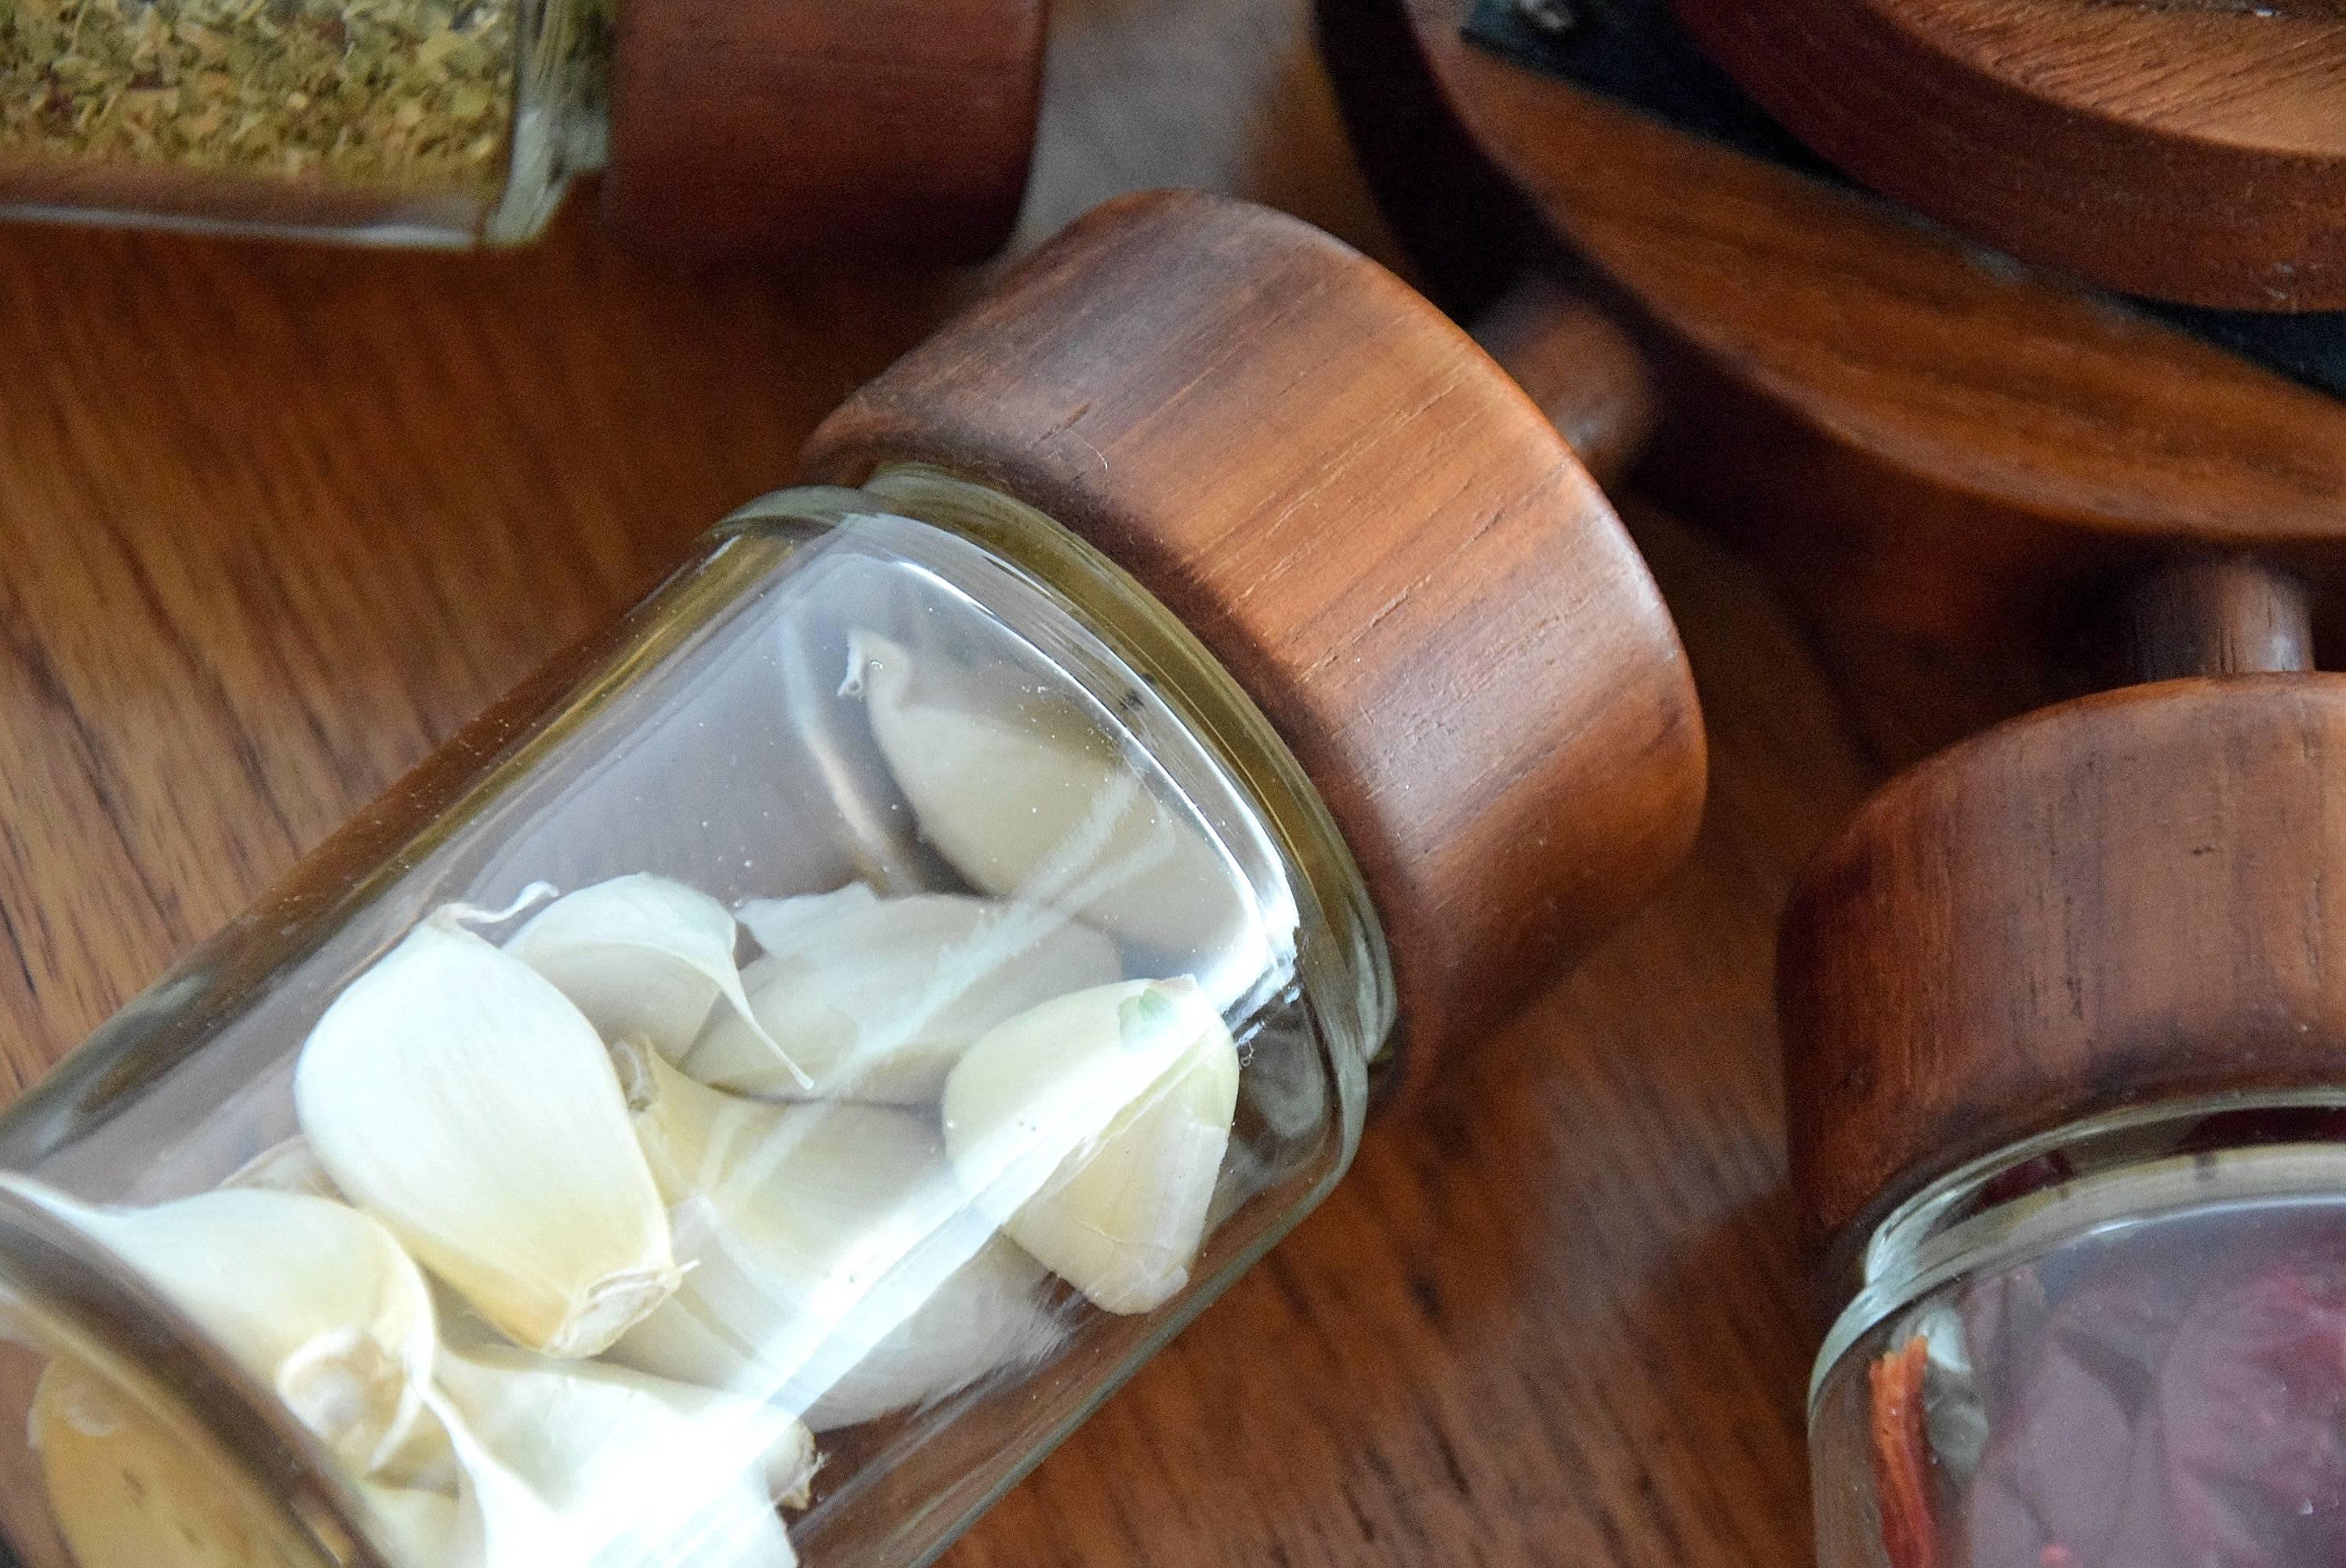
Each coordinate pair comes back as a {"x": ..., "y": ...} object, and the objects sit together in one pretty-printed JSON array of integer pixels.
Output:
[
  {"x": 289, "y": 1166},
  {"x": 568, "y": 1426},
  {"x": 573, "y": 1465},
  {"x": 420, "y": 1529},
  {"x": 1124, "y": 1097},
  {"x": 501, "y": 1522},
  {"x": 988, "y": 1316},
  {"x": 759, "y": 1330},
  {"x": 459, "y": 1097},
  {"x": 877, "y": 998},
  {"x": 642, "y": 955},
  {"x": 425, "y": 1460},
  {"x": 125, "y": 1491},
  {"x": 1028, "y": 796},
  {"x": 834, "y": 1268},
  {"x": 784, "y": 927},
  {"x": 315, "y": 1299}
]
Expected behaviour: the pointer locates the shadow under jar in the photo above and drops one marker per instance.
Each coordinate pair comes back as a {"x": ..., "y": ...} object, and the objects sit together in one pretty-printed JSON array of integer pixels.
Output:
[
  {"x": 752, "y": 1096},
  {"x": 722, "y": 128}
]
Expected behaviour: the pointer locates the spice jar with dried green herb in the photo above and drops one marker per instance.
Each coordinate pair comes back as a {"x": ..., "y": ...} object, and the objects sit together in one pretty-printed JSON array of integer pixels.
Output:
[
  {"x": 752, "y": 1096},
  {"x": 754, "y": 128}
]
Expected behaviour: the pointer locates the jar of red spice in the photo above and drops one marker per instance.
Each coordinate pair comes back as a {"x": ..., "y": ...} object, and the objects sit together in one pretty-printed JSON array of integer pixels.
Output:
[{"x": 2064, "y": 1022}]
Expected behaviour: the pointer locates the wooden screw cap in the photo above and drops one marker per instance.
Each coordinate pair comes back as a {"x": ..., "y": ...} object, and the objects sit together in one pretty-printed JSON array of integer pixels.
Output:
[
  {"x": 1376, "y": 533},
  {"x": 752, "y": 128},
  {"x": 2130, "y": 897}
]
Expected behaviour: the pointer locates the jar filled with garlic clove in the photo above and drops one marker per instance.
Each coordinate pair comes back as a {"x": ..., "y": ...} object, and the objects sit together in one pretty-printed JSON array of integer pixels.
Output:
[{"x": 747, "y": 1101}]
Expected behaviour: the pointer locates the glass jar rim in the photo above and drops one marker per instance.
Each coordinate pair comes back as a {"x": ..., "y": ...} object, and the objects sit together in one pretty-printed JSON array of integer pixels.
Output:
[
  {"x": 73, "y": 1300},
  {"x": 1954, "y": 1227}
]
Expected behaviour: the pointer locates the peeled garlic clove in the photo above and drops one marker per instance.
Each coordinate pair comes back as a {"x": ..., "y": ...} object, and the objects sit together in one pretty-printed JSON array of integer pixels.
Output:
[
  {"x": 1027, "y": 796},
  {"x": 424, "y": 1461},
  {"x": 751, "y": 1327},
  {"x": 573, "y": 1463},
  {"x": 795, "y": 925},
  {"x": 459, "y": 1097},
  {"x": 877, "y": 999},
  {"x": 987, "y": 1317},
  {"x": 315, "y": 1299},
  {"x": 567, "y": 1426},
  {"x": 501, "y": 1522},
  {"x": 289, "y": 1166},
  {"x": 641, "y": 955},
  {"x": 1128, "y": 1092},
  {"x": 128, "y": 1492},
  {"x": 834, "y": 1268},
  {"x": 420, "y": 1529}
]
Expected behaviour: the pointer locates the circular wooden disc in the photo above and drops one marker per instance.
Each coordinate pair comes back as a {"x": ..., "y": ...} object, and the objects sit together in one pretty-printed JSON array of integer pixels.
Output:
[
  {"x": 1963, "y": 452},
  {"x": 762, "y": 128},
  {"x": 2193, "y": 152}
]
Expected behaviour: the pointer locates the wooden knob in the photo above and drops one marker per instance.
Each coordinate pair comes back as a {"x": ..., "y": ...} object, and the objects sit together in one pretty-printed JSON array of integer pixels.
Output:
[
  {"x": 1374, "y": 530},
  {"x": 2217, "y": 615},
  {"x": 756, "y": 129},
  {"x": 2137, "y": 895},
  {"x": 1579, "y": 367}
]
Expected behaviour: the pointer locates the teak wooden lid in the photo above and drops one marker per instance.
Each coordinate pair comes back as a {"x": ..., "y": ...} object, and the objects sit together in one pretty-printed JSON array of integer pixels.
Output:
[
  {"x": 1374, "y": 530},
  {"x": 2193, "y": 152},
  {"x": 754, "y": 128},
  {"x": 2129, "y": 898},
  {"x": 1937, "y": 460}
]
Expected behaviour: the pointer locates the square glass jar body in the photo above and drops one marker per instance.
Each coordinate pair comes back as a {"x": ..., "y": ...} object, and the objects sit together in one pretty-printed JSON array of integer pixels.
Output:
[{"x": 931, "y": 766}]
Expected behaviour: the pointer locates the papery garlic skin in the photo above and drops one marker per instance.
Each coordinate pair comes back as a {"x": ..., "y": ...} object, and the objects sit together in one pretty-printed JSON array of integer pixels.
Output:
[
  {"x": 642, "y": 955},
  {"x": 315, "y": 1299},
  {"x": 1128, "y": 1092},
  {"x": 1028, "y": 797},
  {"x": 835, "y": 1269},
  {"x": 126, "y": 1492},
  {"x": 876, "y": 999},
  {"x": 460, "y": 1098}
]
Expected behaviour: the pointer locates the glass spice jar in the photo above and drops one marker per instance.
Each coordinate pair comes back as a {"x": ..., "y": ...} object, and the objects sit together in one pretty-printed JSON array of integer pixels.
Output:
[
  {"x": 2066, "y": 1035},
  {"x": 757, "y": 1091},
  {"x": 463, "y": 122}
]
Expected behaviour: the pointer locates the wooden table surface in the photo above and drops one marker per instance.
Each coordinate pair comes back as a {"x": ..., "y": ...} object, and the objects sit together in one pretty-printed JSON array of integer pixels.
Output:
[{"x": 274, "y": 522}]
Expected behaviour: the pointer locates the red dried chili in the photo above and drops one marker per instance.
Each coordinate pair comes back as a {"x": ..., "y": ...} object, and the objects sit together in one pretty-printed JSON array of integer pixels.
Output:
[{"x": 1901, "y": 1457}]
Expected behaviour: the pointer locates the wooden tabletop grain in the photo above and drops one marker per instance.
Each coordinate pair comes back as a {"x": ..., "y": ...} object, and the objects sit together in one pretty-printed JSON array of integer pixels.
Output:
[{"x": 274, "y": 522}]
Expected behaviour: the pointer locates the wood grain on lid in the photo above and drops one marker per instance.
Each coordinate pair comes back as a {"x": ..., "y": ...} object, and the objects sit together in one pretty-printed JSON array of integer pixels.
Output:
[
  {"x": 1374, "y": 530},
  {"x": 760, "y": 128}
]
